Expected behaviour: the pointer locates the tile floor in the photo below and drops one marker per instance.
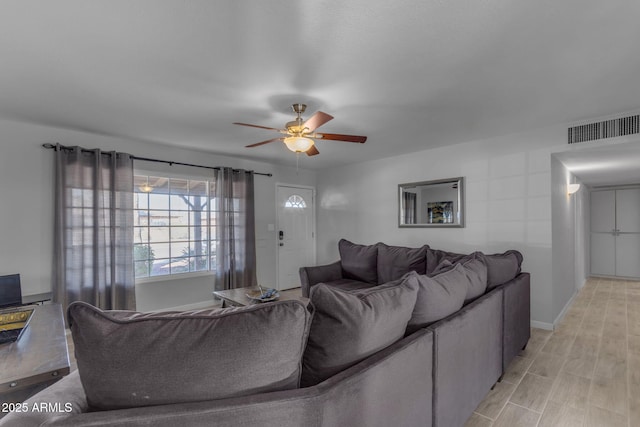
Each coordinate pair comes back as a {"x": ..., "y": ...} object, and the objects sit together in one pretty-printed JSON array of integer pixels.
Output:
[{"x": 584, "y": 373}]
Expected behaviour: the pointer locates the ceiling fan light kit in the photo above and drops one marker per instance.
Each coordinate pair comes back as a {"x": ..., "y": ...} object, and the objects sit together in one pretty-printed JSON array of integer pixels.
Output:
[
  {"x": 298, "y": 144},
  {"x": 301, "y": 134}
]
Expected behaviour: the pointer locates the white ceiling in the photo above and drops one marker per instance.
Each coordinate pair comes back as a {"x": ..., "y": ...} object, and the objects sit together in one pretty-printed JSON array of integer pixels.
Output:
[{"x": 408, "y": 74}]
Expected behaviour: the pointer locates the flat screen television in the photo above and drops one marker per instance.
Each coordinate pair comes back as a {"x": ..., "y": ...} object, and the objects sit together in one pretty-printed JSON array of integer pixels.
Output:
[{"x": 10, "y": 292}]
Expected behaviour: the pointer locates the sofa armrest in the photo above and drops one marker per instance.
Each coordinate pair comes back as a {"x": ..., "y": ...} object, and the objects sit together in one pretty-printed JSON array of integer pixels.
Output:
[
  {"x": 310, "y": 276},
  {"x": 517, "y": 315},
  {"x": 66, "y": 397},
  {"x": 467, "y": 358}
]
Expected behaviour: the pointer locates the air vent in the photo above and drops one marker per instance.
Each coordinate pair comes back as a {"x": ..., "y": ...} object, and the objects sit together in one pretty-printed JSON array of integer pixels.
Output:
[{"x": 607, "y": 129}]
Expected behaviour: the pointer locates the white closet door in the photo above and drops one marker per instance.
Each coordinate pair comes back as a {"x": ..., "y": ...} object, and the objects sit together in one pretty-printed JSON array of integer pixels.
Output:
[
  {"x": 603, "y": 250},
  {"x": 628, "y": 210},
  {"x": 603, "y": 241},
  {"x": 603, "y": 211},
  {"x": 627, "y": 255},
  {"x": 615, "y": 232},
  {"x": 628, "y": 235}
]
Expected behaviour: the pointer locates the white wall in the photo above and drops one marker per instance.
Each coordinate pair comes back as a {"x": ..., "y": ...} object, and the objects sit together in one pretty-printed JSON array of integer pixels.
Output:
[
  {"x": 569, "y": 248},
  {"x": 508, "y": 203},
  {"x": 509, "y": 185},
  {"x": 26, "y": 215},
  {"x": 583, "y": 235}
]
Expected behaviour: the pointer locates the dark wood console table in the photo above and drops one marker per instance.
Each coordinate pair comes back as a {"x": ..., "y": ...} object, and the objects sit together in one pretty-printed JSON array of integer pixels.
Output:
[{"x": 38, "y": 359}]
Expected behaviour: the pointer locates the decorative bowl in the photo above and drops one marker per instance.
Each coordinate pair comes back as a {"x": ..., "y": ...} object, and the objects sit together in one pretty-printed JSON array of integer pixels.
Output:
[{"x": 265, "y": 296}]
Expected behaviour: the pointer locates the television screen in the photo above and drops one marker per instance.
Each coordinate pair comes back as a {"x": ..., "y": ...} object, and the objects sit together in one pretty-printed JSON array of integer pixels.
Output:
[{"x": 10, "y": 293}]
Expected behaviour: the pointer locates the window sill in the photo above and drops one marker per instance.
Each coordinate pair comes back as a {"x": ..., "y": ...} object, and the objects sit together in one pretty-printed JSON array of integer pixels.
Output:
[{"x": 178, "y": 276}]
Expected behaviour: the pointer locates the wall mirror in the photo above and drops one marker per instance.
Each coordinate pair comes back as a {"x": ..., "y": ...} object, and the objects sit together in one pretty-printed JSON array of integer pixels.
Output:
[{"x": 438, "y": 203}]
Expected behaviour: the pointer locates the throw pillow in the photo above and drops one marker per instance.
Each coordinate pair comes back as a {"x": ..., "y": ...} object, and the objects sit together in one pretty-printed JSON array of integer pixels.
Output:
[
  {"x": 128, "y": 359},
  {"x": 502, "y": 267},
  {"x": 396, "y": 261},
  {"x": 347, "y": 327},
  {"x": 438, "y": 296},
  {"x": 359, "y": 262}
]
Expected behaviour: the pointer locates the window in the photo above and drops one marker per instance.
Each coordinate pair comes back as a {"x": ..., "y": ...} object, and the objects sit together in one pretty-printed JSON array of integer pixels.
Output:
[
  {"x": 295, "y": 201},
  {"x": 172, "y": 226}
]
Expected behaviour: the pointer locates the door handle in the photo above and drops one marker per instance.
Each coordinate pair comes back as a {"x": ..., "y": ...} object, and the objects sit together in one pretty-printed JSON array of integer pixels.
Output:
[{"x": 281, "y": 235}]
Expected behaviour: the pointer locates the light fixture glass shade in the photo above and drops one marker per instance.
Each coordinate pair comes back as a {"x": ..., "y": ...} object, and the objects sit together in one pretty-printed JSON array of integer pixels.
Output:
[
  {"x": 146, "y": 188},
  {"x": 298, "y": 144},
  {"x": 572, "y": 188}
]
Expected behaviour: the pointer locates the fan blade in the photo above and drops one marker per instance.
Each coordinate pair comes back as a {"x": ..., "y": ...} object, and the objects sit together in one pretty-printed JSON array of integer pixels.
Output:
[
  {"x": 256, "y": 126},
  {"x": 264, "y": 142},
  {"x": 312, "y": 151},
  {"x": 317, "y": 120},
  {"x": 339, "y": 137}
]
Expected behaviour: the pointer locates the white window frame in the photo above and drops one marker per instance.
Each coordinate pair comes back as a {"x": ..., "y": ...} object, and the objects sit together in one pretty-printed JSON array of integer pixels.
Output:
[{"x": 181, "y": 275}]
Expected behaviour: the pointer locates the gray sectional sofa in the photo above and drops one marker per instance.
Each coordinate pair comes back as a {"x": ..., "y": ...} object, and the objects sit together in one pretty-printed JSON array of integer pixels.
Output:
[
  {"x": 471, "y": 347},
  {"x": 434, "y": 374}
]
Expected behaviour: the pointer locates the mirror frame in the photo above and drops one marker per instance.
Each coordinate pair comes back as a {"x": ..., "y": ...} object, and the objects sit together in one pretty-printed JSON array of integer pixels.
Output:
[{"x": 459, "y": 180}]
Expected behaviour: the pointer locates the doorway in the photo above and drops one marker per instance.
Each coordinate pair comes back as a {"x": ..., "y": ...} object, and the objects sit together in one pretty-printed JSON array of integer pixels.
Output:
[
  {"x": 615, "y": 232},
  {"x": 295, "y": 233}
]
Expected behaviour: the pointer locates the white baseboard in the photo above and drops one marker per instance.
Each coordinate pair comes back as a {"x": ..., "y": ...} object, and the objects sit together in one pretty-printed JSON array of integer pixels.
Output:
[
  {"x": 565, "y": 309},
  {"x": 551, "y": 326},
  {"x": 542, "y": 325}
]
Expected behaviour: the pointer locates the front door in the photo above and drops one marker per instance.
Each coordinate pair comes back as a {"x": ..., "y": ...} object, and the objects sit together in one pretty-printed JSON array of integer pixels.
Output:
[{"x": 295, "y": 233}]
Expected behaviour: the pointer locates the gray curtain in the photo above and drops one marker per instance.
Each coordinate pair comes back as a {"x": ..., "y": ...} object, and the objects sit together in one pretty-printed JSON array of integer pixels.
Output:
[
  {"x": 234, "y": 229},
  {"x": 410, "y": 207},
  {"x": 93, "y": 237}
]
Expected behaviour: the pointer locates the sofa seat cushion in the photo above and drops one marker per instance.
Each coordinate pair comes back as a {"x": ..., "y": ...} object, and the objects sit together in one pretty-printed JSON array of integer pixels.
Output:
[
  {"x": 349, "y": 326},
  {"x": 128, "y": 359},
  {"x": 348, "y": 284},
  {"x": 396, "y": 261},
  {"x": 359, "y": 262},
  {"x": 502, "y": 268}
]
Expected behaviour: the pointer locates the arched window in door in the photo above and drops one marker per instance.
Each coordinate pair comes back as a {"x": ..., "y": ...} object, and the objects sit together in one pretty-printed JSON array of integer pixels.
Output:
[{"x": 295, "y": 201}]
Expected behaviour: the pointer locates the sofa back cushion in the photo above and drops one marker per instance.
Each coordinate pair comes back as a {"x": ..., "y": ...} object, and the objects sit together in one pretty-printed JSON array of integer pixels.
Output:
[
  {"x": 436, "y": 256},
  {"x": 129, "y": 359},
  {"x": 503, "y": 267},
  {"x": 438, "y": 296},
  {"x": 359, "y": 262},
  {"x": 349, "y": 326},
  {"x": 396, "y": 261},
  {"x": 475, "y": 270}
]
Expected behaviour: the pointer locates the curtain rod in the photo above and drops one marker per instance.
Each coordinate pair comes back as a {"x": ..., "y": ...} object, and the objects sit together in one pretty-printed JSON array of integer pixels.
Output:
[{"x": 147, "y": 159}]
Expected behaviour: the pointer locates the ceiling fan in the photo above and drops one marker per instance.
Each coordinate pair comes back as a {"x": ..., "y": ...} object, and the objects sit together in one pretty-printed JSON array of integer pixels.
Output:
[{"x": 300, "y": 134}]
